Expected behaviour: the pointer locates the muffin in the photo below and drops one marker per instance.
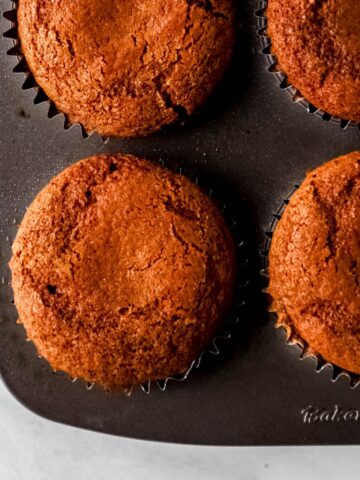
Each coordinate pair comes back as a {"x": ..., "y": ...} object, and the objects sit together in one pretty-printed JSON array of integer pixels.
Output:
[
  {"x": 317, "y": 45},
  {"x": 122, "y": 271},
  {"x": 314, "y": 263},
  {"x": 127, "y": 67}
]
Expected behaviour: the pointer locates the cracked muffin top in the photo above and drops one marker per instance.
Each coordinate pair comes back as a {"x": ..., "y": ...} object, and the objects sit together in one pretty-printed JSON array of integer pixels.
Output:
[
  {"x": 122, "y": 271},
  {"x": 317, "y": 45},
  {"x": 126, "y": 67},
  {"x": 314, "y": 262}
]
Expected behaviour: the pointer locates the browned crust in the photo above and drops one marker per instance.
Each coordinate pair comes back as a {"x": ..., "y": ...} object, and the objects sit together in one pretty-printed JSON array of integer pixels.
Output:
[
  {"x": 126, "y": 67},
  {"x": 122, "y": 271},
  {"x": 314, "y": 262},
  {"x": 317, "y": 45}
]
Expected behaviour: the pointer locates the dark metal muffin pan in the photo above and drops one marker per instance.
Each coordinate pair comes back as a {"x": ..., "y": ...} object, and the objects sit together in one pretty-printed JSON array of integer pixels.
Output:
[{"x": 251, "y": 143}]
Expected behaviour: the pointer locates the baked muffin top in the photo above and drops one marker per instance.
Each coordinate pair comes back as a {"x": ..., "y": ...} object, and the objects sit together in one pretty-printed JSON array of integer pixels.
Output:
[
  {"x": 314, "y": 262},
  {"x": 122, "y": 271},
  {"x": 317, "y": 45},
  {"x": 126, "y": 67}
]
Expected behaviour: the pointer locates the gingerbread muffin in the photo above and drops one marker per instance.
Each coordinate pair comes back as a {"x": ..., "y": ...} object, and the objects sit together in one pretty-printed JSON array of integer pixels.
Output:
[
  {"x": 314, "y": 263},
  {"x": 317, "y": 45},
  {"x": 122, "y": 271},
  {"x": 126, "y": 67}
]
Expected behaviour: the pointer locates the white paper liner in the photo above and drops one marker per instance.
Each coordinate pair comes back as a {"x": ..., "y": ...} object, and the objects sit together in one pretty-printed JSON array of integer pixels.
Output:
[
  {"x": 284, "y": 84},
  {"x": 231, "y": 319},
  {"x": 292, "y": 338}
]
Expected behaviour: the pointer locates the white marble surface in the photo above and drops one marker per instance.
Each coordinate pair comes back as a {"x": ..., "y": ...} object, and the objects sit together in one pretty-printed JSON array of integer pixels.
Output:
[{"x": 32, "y": 448}]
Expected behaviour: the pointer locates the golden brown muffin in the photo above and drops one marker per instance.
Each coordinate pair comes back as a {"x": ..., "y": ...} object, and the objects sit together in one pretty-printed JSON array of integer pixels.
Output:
[
  {"x": 314, "y": 262},
  {"x": 122, "y": 271},
  {"x": 126, "y": 67},
  {"x": 317, "y": 45}
]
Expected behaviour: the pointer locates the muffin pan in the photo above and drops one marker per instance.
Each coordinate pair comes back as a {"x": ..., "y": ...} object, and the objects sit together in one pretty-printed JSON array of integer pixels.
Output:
[{"x": 250, "y": 144}]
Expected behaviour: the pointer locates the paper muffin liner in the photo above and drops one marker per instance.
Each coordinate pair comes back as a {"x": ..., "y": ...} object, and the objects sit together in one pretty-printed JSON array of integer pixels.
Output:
[
  {"x": 41, "y": 97},
  {"x": 284, "y": 84},
  {"x": 30, "y": 83},
  {"x": 292, "y": 337},
  {"x": 228, "y": 323}
]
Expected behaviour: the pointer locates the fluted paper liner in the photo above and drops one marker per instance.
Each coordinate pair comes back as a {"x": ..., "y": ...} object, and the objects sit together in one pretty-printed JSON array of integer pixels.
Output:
[
  {"x": 231, "y": 319},
  {"x": 292, "y": 337},
  {"x": 284, "y": 84}
]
